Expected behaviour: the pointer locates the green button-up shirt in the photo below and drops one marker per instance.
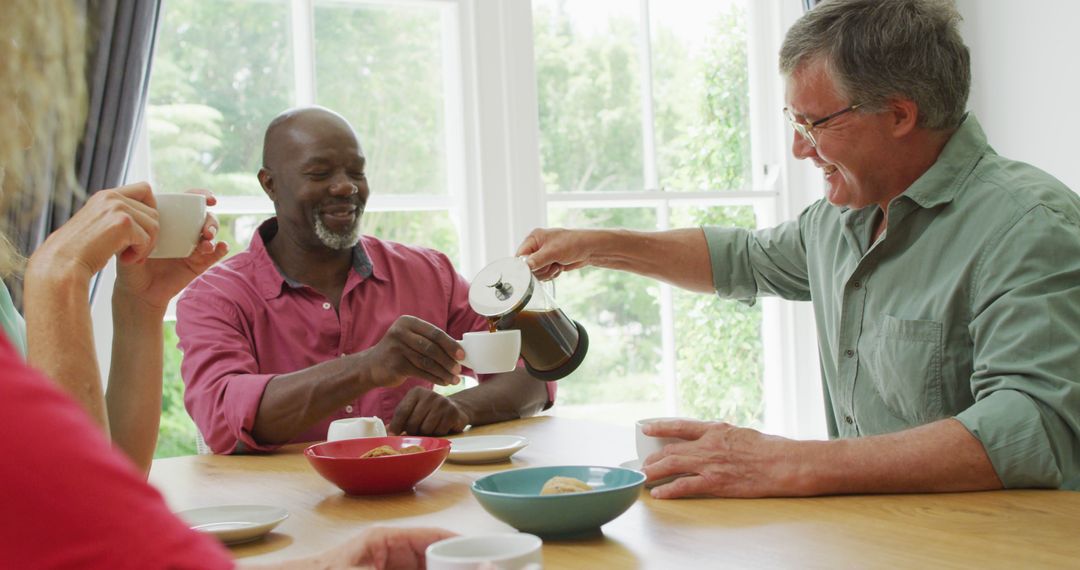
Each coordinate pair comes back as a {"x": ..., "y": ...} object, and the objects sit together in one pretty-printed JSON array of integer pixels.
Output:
[{"x": 967, "y": 307}]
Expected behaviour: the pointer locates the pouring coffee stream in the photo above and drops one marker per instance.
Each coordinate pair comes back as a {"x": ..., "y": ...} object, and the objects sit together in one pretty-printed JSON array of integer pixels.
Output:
[{"x": 507, "y": 293}]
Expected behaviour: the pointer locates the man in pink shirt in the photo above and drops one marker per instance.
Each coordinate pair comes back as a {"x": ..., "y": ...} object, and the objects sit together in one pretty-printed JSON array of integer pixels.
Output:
[{"x": 316, "y": 322}]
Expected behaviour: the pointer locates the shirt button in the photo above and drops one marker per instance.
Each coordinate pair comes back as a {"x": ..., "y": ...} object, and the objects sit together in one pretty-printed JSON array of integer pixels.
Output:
[
  {"x": 326, "y": 306},
  {"x": 348, "y": 409},
  {"x": 857, "y": 284},
  {"x": 849, "y": 353},
  {"x": 849, "y": 420}
]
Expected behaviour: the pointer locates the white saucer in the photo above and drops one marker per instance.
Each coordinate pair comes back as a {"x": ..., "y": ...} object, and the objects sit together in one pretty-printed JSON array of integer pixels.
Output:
[
  {"x": 635, "y": 464},
  {"x": 234, "y": 524},
  {"x": 485, "y": 448}
]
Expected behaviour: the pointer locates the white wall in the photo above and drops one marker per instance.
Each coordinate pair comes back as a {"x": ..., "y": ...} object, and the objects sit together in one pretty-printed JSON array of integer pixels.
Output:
[{"x": 1025, "y": 79}]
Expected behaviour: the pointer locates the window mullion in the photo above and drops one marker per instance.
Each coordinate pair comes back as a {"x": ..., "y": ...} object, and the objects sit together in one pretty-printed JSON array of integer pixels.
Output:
[
  {"x": 505, "y": 188},
  {"x": 668, "y": 368},
  {"x": 303, "y": 44},
  {"x": 792, "y": 387},
  {"x": 650, "y": 199},
  {"x": 454, "y": 111},
  {"x": 648, "y": 130},
  {"x": 652, "y": 182}
]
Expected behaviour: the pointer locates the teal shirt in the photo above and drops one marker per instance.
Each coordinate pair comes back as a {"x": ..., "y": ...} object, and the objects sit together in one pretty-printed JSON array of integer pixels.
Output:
[
  {"x": 967, "y": 307},
  {"x": 11, "y": 321}
]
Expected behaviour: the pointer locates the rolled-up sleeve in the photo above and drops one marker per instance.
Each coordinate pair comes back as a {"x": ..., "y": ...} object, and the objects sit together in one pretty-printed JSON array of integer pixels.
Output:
[
  {"x": 1026, "y": 333},
  {"x": 746, "y": 263},
  {"x": 223, "y": 387}
]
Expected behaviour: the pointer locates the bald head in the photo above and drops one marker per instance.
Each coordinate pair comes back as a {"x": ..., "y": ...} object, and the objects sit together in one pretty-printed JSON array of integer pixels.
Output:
[
  {"x": 298, "y": 127},
  {"x": 313, "y": 171}
]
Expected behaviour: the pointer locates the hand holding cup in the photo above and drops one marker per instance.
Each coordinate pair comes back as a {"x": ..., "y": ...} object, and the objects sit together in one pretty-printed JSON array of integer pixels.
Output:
[
  {"x": 647, "y": 445},
  {"x": 180, "y": 222},
  {"x": 491, "y": 352}
]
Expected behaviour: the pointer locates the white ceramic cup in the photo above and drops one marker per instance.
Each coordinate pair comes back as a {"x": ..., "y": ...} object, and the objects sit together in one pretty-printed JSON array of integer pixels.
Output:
[
  {"x": 354, "y": 428},
  {"x": 180, "y": 220},
  {"x": 507, "y": 551},
  {"x": 648, "y": 445},
  {"x": 488, "y": 352}
]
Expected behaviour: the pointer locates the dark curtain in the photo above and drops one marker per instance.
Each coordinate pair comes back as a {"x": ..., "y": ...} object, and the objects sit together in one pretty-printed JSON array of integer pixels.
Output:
[
  {"x": 119, "y": 78},
  {"x": 120, "y": 49}
]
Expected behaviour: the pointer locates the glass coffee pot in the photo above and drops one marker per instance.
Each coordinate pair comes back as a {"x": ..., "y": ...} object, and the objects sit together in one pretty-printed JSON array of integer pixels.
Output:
[{"x": 510, "y": 297}]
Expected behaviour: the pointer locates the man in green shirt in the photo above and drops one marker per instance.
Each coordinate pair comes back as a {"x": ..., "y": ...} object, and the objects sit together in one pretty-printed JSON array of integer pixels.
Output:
[{"x": 945, "y": 279}]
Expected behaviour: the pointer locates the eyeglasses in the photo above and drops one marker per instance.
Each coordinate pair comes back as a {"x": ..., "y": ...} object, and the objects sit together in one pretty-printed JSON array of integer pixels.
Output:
[{"x": 807, "y": 129}]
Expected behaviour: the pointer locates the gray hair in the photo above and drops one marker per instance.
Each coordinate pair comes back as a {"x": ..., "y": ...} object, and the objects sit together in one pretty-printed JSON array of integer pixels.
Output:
[{"x": 878, "y": 49}]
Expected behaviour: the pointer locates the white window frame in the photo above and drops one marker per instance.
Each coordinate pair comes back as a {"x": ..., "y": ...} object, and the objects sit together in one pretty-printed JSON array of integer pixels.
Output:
[
  {"x": 507, "y": 157},
  {"x": 495, "y": 177},
  {"x": 302, "y": 28}
]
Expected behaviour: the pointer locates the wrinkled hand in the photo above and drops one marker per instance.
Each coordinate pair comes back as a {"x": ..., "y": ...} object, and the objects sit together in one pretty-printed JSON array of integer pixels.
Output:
[
  {"x": 424, "y": 412},
  {"x": 387, "y": 548},
  {"x": 549, "y": 252},
  {"x": 413, "y": 348},
  {"x": 721, "y": 460},
  {"x": 156, "y": 281}
]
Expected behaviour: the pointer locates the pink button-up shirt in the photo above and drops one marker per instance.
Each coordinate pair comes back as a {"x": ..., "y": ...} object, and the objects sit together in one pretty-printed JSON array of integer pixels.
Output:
[{"x": 243, "y": 322}]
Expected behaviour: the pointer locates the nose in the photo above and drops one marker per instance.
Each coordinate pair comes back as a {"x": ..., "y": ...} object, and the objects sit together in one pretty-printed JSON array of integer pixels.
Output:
[
  {"x": 801, "y": 148},
  {"x": 343, "y": 186}
]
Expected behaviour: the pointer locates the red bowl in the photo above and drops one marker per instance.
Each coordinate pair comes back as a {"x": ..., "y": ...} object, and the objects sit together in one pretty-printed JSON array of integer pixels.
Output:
[{"x": 340, "y": 463}]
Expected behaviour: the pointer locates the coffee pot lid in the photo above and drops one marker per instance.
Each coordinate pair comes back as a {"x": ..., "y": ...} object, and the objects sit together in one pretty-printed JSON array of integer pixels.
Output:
[{"x": 503, "y": 286}]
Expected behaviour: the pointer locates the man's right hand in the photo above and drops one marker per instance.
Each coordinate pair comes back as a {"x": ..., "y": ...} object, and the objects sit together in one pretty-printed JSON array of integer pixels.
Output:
[
  {"x": 551, "y": 251},
  {"x": 413, "y": 348},
  {"x": 679, "y": 257}
]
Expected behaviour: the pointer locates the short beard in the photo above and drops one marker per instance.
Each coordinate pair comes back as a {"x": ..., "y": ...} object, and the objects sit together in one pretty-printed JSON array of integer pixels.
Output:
[{"x": 337, "y": 241}]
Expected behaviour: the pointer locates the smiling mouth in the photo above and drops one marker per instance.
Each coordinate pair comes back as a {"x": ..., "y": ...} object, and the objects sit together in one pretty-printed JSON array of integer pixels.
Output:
[
  {"x": 828, "y": 169},
  {"x": 339, "y": 213}
]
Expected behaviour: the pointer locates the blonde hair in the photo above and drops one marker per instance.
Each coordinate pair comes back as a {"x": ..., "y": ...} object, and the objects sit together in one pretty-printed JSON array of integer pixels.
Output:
[{"x": 42, "y": 106}]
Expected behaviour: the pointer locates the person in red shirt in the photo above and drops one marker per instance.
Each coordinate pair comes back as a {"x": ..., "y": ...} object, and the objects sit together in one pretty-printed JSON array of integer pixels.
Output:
[
  {"x": 72, "y": 501},
  {"x": 42, "y": 97},
  {"x": 316, "y": 322}
]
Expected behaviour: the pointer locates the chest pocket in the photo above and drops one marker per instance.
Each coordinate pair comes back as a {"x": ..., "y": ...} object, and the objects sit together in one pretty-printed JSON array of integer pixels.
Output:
[{"x": 905, "y": 366}]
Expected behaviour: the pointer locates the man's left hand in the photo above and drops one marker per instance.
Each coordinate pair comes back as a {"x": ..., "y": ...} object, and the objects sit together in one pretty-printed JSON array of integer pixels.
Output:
[
  {"x": 425, "y": 412},
  {"x": 722, "y": 460}
]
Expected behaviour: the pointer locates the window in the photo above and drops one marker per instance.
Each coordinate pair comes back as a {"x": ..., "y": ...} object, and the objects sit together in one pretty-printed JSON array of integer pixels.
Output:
[
  {"x": 644, "y": 117},
  {"x": 482, "y": 120},
  {"x": 387, "y": 67}
]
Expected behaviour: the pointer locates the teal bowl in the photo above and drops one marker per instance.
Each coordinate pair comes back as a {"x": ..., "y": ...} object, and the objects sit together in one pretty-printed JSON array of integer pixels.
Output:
[{"x": 514, "y": 497}]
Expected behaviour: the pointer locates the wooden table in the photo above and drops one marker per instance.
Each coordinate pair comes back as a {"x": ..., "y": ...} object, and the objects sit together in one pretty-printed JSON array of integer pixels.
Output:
[{"x": 995, "y": 529}]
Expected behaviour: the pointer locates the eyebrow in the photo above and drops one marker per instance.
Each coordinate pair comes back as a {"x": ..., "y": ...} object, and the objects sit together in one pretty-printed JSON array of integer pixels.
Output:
[{"x": 316, "y": 161}]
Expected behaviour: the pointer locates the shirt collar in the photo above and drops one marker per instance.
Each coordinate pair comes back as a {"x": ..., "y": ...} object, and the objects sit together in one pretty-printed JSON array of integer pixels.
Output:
[
  {"x": 940, "y": 183},
  {"x": 271, "y": 280},
  {"x": 954, "y": 165}
]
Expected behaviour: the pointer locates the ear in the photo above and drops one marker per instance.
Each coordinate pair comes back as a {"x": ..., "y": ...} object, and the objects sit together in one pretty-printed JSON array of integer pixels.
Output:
[
  {"x": 266, "y": 180},
  {"x": 904, "y": 114}
]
